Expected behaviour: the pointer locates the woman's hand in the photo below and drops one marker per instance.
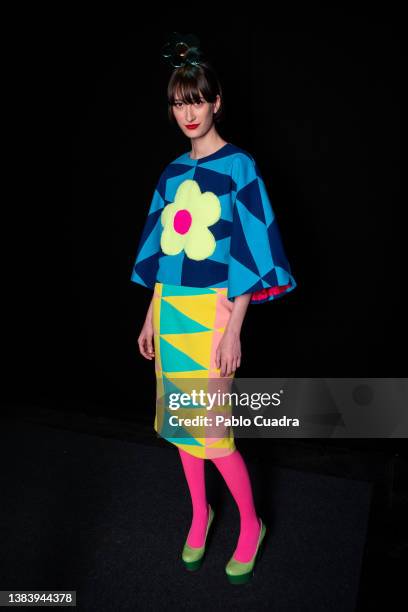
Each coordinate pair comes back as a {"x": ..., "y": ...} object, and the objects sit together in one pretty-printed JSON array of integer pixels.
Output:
[
  {"x": 145, "y": 340},
  {"x": 228, "y": 353}
]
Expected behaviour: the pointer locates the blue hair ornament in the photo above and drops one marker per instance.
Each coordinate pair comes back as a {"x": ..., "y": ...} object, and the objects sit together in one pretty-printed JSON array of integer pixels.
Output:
[{"x": 182, "y": 50}]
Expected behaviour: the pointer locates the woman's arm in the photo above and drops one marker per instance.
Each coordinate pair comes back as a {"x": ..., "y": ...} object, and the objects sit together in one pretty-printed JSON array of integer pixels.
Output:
[
  {"x": 145, "y": 340},
  {"x": 228, "y": 354}
]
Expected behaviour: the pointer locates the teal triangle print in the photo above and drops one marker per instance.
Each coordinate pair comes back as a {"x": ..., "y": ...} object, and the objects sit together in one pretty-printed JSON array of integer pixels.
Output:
[
  {"x": 173, "y": 290},
  {"x": 174, "y": 360},
  {"x": 172, "y": 320}
]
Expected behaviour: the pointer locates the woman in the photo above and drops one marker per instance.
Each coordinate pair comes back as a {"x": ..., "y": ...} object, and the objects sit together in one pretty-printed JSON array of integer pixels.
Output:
[{"x": 209, "y": 248}]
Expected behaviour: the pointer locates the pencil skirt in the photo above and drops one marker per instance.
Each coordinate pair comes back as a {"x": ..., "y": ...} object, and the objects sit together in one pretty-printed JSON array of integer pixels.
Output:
[{"x": 193, "y": 411}]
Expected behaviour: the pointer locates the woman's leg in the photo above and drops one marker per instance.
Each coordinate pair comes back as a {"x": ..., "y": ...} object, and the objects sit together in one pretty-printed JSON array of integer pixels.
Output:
[
  {"x": 195, "y": 476},
  {"x": 235, "y": 473}
]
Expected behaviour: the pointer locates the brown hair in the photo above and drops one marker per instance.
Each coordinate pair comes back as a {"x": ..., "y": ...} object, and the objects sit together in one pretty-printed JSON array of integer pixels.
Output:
[{"x": 189, "y": 81}]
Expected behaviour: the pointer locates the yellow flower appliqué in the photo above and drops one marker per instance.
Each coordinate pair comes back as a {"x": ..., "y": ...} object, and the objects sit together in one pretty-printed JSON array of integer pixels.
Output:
[{"x": 186, "y": 222}]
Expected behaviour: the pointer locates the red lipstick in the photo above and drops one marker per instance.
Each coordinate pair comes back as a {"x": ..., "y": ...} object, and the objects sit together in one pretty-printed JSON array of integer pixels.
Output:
[{"x": 192, "y": 126}]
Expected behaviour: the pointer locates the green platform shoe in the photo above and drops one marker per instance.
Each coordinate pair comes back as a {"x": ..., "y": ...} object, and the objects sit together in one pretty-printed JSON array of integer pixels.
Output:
[
  {"x": 193, "y": 557},
  {"x": 239, "y": 572}
]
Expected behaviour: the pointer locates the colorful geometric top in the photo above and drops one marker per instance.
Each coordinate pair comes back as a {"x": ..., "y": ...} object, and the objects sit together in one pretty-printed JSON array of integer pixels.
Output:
[{"x": 211, "y": 224}]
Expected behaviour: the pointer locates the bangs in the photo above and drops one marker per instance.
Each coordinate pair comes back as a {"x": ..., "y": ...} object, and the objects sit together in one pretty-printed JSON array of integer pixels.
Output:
[{"x": 187, "y": 88}]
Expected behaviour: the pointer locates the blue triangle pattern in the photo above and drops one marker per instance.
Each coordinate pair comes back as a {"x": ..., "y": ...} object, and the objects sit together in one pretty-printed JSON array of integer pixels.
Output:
[
  {"x": 250, "y": 196},
  {"x": 249, "y": 249},
  {"x": 239, "y": 249},
  {"x": 209, "y": 180}
]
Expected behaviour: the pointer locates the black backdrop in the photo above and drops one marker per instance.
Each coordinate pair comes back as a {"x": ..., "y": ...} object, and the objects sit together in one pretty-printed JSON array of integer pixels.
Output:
[{"x": 317, "y": 106}]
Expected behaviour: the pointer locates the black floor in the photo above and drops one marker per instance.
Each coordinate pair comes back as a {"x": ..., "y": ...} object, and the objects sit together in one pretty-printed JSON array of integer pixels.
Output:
[{"x": 107, "y": 517}]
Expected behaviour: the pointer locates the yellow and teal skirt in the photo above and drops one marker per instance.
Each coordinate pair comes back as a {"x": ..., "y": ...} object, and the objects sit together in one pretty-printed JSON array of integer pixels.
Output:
[{"x": 188, "y": 324}]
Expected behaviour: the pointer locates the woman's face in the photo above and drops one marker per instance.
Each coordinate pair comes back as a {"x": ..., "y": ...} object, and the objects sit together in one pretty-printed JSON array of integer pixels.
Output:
[{"x": 199, "y": 114}]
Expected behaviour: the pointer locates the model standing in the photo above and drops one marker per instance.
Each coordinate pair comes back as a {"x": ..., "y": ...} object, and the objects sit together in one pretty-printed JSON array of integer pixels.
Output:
[{"x": 209, "y": 248}]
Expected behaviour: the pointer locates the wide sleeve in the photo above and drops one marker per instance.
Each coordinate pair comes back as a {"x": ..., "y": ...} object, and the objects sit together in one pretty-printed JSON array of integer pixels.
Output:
[
  {"x": 148, "y": 251},
  {"x": 257, "y": 261}
]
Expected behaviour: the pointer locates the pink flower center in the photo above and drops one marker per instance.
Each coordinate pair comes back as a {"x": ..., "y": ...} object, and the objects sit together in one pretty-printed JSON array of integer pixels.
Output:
[{"x": 182, "y": 221}]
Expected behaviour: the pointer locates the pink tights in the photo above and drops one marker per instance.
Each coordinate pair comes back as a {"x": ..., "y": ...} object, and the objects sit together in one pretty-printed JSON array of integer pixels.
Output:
[{"x": 234, "y": 471}]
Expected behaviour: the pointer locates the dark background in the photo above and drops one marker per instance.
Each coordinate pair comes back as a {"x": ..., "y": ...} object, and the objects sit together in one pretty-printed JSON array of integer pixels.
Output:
[
  {"x": 317, "y": 103},
  {"x": 318, "y": 106}
]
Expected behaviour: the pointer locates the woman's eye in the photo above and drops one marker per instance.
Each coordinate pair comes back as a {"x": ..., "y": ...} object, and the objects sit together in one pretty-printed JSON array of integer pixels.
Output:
[{"x": 181, "y": 104}]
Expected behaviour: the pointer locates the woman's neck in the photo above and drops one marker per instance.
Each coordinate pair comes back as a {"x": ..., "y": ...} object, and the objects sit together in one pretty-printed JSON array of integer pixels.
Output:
[{"x": 206, "y": 145}]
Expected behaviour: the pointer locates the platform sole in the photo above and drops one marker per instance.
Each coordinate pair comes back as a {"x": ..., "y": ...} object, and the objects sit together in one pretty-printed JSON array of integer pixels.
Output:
[{"x": 244, "y": 578}]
